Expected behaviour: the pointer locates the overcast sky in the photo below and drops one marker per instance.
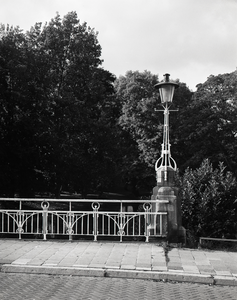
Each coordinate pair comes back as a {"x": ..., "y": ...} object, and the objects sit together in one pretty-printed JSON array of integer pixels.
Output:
[{"x": 190, "y": 39}]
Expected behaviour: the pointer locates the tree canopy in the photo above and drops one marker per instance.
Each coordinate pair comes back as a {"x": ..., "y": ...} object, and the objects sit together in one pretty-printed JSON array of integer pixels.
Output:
[
  {"x": 56, "y": 109},
  {"x": 209, "y": 125},
  {"x": 142, "y": 120}
]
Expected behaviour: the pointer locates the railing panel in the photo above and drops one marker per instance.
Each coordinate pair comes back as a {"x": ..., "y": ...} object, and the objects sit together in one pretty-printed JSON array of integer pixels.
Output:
[{"x": 81, "y": 217}]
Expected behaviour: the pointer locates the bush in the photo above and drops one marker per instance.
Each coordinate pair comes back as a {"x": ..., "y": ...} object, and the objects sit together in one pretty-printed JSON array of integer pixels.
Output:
[{"x": 209, "y": 201}]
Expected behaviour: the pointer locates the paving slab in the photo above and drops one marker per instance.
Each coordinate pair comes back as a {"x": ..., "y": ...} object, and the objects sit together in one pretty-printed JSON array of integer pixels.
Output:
[{"x": 130, "y": 260}]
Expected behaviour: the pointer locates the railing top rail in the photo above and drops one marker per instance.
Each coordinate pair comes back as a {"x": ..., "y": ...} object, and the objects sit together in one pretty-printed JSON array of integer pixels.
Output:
[
  {"x": 77, "y": 200},
  {"x": 100, "y": 212}
]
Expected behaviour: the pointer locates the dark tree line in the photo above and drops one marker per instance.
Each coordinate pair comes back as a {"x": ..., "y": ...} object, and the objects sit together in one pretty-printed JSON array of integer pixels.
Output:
[
  {"x": 66, "y": 124},
  {"x": 57, "y": 109}
]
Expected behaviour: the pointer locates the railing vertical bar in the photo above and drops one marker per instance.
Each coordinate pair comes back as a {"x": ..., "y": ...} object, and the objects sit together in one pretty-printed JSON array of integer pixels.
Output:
[
  {"x": 63, "y": 229},
  {"x": 37, "y": 223},
  {"x": 27, "y": 222},
  {"x": 139, "y": 225},
  {"x": 64, "y": 223},
  {"x": 22, "y": 221},
  {"x": 78, "y": 224},
  {"x": 14, "y": 224},
  {"x": 161, "y": 219},
  {"x": 61, "y": 223},
  {"x": 115, "y": 217},
  {"x": 57, "y": 221},
  {"x": 49, "y": 224},
  {"x": 75, "y": 224},
  {"x": 2, "y": 222},
  {"x": 2, "y": 215},
  {"x": 126, "y": 218},
  {"x": 88, "y": 226},
  {"x": 95, "y": 223},
  {"x": 60, "y": 227},
  {"x": 155, "y": 222},
  {"x": 20, "y": 207},
  {"x": 118, "y": 219},
  {"x": 8, "y": 229},
  {"x": 6, "y": 223},
  {"x": 32, "y": 223},
  {"x": 82, "y": 223},
  {"x": 45, "y": 216},
  {"x": 112, "y": 224},
  {"x": 133, "y": 226},
  {"x": 52, "y": 220},
  {"x": 120, "y": 227}
]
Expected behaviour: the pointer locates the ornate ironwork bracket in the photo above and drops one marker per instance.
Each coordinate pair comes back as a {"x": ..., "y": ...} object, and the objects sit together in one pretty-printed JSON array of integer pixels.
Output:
[{"x": 165, "y": 161}]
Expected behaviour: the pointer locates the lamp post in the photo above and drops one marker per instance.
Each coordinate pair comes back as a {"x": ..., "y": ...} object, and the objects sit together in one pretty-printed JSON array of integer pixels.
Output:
[
  {"x": 165, "y": 193},
  {"x": 166, "y": 162}
]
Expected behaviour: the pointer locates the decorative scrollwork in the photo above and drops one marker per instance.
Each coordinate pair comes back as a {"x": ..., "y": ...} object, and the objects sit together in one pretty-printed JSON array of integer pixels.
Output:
[
  {"x": 147, "y": 206},
  {"x": 95, "y": 205},
  {"x": 70, "y": 214},
  {"x": 45, "y": 205},
  {"x": 20, "y": 229},
  {"x": 121, "y": 232},
  {"x": 70, "y": 230}
]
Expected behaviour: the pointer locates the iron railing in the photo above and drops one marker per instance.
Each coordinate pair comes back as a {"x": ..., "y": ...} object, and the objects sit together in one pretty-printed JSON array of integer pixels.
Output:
[{"x": 81, "y": 217}]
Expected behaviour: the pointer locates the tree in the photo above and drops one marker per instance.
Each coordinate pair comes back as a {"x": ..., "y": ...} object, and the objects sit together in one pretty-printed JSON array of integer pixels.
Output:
[
  {"x": 68, "y": 102},
  {"x": 143, "y": 124},
  {"x": 135, "y": 91},
  {"x": 17, "y": 105},
  {"x": 208, "y": 127}
]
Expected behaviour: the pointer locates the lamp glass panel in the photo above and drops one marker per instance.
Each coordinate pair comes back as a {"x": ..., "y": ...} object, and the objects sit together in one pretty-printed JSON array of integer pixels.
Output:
[{"x": 166, "y": 93}]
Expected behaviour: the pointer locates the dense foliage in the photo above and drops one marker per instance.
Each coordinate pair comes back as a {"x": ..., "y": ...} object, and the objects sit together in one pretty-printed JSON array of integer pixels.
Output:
[
  {"x": 209, "y": 125},
  {"x": 57, "y": 109},
  {"x": 209, "y": 201}
]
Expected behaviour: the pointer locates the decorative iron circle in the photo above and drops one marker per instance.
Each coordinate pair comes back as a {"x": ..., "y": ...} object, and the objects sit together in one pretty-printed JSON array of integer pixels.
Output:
[
  {"x": 20, "y": 230},
  {"x": 45, "y": 204},
  {"x": 121, "y": 232},
  {"x": 95, "y": 205},
  {"x": 70, "y": 231},
  {"x": 147, "y": 206}
]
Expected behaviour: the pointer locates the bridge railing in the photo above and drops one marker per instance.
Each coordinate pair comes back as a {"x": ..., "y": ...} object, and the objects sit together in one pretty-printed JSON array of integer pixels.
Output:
[{"x": 45, "y": 218}]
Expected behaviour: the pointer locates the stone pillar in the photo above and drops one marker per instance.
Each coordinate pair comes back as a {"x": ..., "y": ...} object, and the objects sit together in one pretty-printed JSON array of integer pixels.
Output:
[{"x": 167, "y": 200}]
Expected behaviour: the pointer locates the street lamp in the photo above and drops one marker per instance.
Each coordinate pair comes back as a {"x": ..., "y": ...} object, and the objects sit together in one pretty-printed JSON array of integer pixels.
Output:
[{"x": 166, "y": 162}]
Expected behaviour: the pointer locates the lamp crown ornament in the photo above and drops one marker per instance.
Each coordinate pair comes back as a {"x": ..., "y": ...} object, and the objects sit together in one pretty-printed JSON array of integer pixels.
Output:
[{"x": 166, "y": 163}]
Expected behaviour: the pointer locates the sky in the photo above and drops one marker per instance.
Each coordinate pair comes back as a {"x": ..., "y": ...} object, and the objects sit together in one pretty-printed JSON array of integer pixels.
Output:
[{"x": 189, "y": 39}]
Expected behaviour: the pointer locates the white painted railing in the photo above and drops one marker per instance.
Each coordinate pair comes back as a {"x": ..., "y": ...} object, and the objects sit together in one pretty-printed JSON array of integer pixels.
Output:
[{"x": 81, "y": 217}]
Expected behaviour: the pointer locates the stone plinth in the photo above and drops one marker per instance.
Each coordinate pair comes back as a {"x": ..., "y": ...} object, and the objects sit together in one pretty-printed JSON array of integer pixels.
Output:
[{"x": 167, "y": 200}]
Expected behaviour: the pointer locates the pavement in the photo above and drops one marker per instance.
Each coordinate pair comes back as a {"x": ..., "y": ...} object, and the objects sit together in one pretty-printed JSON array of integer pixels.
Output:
[{"x": 134, "y": 260}]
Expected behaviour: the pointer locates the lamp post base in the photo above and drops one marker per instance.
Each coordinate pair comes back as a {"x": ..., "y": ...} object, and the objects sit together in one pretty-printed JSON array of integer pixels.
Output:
[{"x": 167, "y": 200}]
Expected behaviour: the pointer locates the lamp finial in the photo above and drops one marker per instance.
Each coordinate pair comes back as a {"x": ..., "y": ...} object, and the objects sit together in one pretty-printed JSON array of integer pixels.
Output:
[{"x": 166, "y": 77}]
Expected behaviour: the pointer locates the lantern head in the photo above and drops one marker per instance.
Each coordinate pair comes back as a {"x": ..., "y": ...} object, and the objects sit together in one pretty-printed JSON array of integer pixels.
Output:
[{"x": 166, "y": 89}]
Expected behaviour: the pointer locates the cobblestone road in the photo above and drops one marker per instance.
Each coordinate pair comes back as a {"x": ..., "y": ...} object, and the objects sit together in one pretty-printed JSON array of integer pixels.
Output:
[{"x": 29, "y": 287}]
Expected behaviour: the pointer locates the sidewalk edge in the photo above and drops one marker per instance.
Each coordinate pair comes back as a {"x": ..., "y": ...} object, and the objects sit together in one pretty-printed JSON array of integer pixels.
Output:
[{"x": 129, "y": 274}]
